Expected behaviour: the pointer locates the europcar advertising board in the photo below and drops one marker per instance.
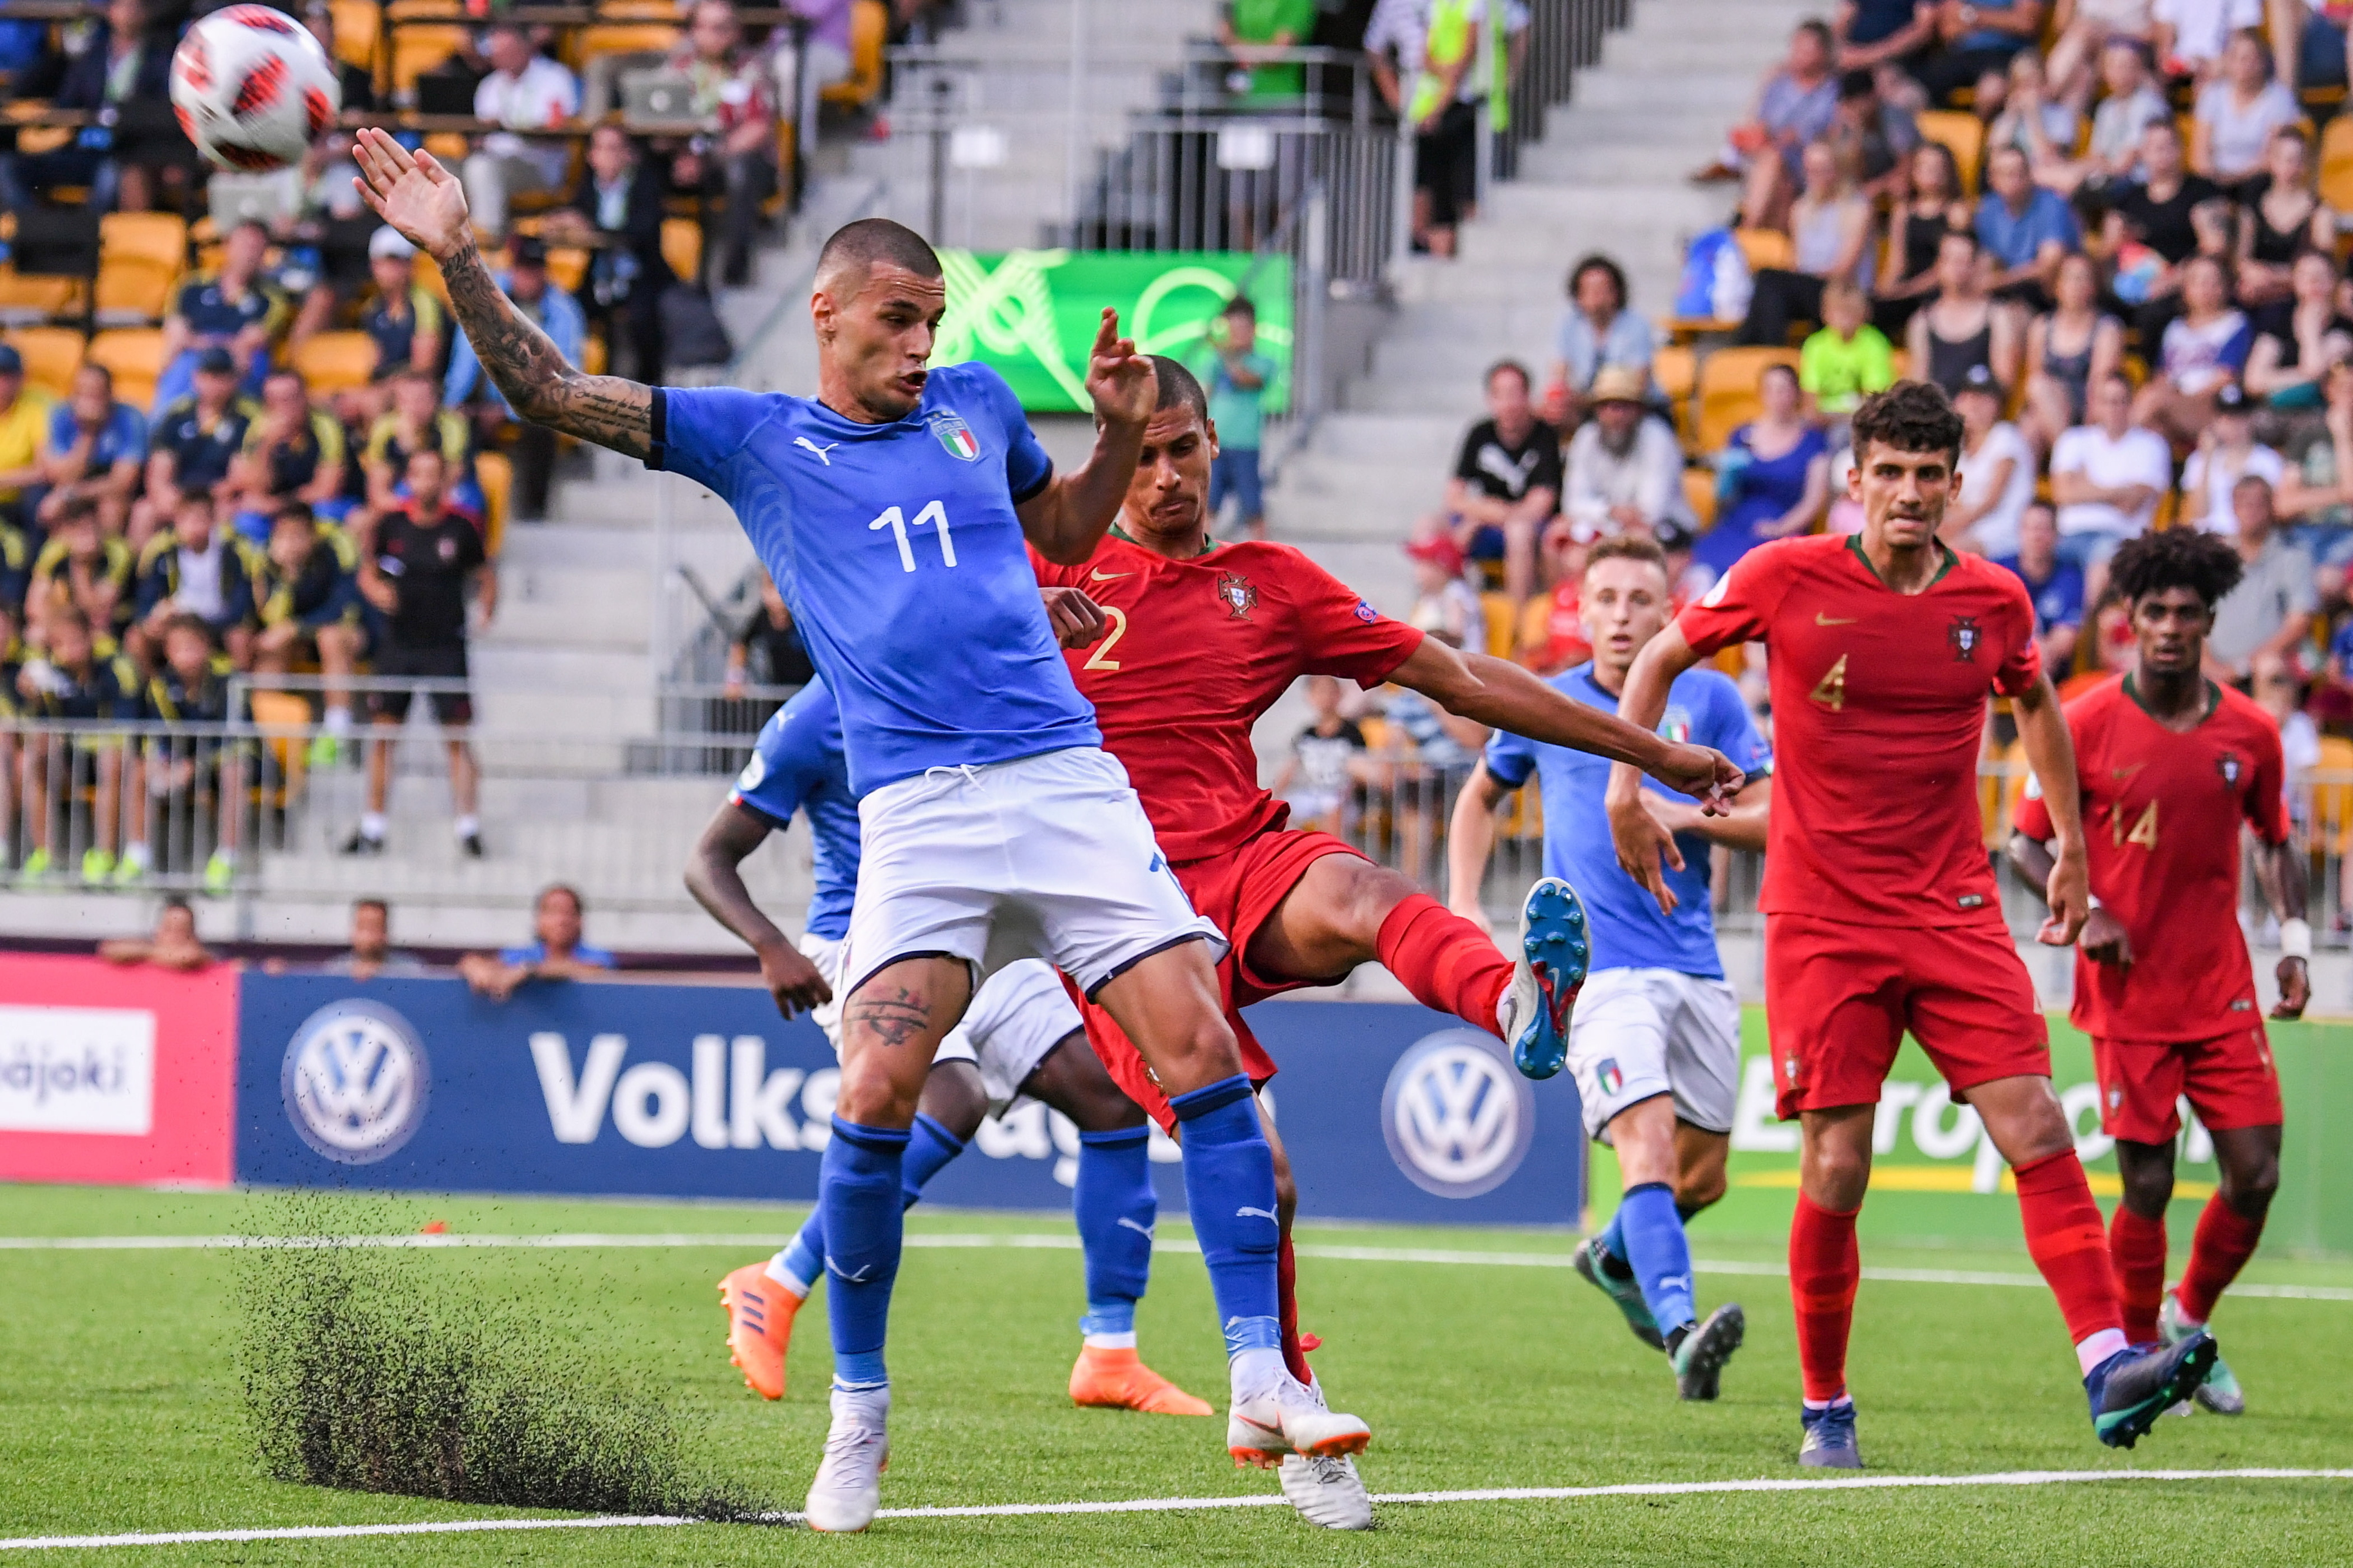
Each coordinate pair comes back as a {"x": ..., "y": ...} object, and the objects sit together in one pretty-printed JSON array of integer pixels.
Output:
[{"x": 1389, "y": 1113}]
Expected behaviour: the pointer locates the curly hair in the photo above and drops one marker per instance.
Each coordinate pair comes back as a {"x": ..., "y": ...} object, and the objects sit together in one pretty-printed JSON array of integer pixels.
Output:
[
  {"x": 1910, "y": 417},
  {"x": 2206, "y": 563}
]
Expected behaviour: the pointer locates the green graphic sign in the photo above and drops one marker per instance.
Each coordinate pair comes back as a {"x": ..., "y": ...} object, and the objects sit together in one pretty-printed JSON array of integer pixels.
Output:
[{"x": 1030, "y": 315}]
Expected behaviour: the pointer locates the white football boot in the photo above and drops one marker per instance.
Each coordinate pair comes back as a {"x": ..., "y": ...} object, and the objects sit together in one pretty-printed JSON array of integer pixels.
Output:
[
  {"x": 1285, "y": 1416},
  {"x": 848, "y": 1484},
  {"x": 1327, "y": 1492}
]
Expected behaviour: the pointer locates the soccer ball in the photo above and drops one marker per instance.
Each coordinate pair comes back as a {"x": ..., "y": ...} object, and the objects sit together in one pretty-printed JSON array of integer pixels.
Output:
[{"x": 251, "y": 88}]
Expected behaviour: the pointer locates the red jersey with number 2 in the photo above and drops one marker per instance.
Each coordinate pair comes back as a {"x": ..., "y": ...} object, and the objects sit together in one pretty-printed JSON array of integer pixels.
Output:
[
  {"x": 1197, "y": 650},
  {"x": 2161, "y": 815},
  {"x": 1879, "y": 706}
]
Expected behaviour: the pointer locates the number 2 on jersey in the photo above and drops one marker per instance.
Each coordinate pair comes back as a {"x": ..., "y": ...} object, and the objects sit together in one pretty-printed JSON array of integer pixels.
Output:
[
  {"x": 1102, "y": 659},
  {"x": 896, "y": 521}
]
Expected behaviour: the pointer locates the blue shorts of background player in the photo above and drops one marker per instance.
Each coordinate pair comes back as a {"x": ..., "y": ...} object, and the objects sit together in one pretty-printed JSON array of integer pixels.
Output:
[{"x": 1234, "y": 472}]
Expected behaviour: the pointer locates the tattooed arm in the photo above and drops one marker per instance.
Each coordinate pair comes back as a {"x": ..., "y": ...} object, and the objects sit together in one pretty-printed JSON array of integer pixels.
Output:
[{"x": 424, "y": 202}]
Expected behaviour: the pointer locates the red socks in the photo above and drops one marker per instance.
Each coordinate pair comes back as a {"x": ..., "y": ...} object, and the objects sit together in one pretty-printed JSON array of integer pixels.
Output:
[
  {"x": 2137, "y": 1255},
  {"x": 2068, "y": 1242},
  {"x": 1286, "y": 1286},
  {"x": 2226, "y": 1239},
  {"x": 1446, "y": 962},
  {"x": 1824, "y": 1268}
]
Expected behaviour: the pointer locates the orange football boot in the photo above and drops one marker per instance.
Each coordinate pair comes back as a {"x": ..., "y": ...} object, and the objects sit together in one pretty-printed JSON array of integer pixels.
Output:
[
  {"x": 1120, "y": 1380},
  {"x": 759, "y": 1327}
]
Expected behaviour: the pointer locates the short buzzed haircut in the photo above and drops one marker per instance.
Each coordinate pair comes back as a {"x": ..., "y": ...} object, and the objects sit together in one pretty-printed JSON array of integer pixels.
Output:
[
  {"x": 1910, "y": 417},
  {"x": 858, "y": 246},
  {"x": 1178, "y": 385}
]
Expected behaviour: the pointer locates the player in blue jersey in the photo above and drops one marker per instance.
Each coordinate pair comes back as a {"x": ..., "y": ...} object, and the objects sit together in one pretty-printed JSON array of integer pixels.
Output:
[
  {"x": 1655, "y": 1039},
  {"x": 1021, "y": 1038},
  {"x": 892, "y": 510}
]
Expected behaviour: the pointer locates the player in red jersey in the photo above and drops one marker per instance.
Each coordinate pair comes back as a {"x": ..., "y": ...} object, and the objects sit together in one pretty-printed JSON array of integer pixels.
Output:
[
  {"x": 1199, "y": 640},
  {"x": 2171, "y": 763},
  {"x": 1879, "y": 905}
]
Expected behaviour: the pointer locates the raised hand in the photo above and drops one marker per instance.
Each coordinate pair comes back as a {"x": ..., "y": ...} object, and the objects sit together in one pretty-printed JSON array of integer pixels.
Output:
[
  {"x": 1120, "y": 380},
  {"x": 414, "y": 193}
]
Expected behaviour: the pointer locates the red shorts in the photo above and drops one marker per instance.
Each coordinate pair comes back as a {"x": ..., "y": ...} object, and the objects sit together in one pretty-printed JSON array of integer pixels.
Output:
[
  {"x": 1239, "y": 890},
  {"x": 1839, "y": 997},
  {"x": 2230, "y": 1081}
]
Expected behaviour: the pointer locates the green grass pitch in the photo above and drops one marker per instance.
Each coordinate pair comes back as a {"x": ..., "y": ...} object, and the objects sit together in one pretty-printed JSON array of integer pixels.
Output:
[{"x": 120, "y": 1413}]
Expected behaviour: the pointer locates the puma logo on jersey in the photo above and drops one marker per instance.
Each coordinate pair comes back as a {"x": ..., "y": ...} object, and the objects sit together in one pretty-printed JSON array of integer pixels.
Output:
[
  {"x": 839, "y": 1272},
  {"x": 1823, "y": 620},
  {"x": 820, "y": 451},
  {"x": 1100, "y": 577}
]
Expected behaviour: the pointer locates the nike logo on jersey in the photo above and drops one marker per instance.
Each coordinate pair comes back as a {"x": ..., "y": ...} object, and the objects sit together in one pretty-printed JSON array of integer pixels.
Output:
[
  {"x": 1143, "y": 1230},
  {"x": 820, "y": 451},
  {"x": 1823, "y": 620},
  {"x": 1108, "y": 576},
  {"x": 2126, "y": 773},
  {"x": 1246, "y": 1212}
]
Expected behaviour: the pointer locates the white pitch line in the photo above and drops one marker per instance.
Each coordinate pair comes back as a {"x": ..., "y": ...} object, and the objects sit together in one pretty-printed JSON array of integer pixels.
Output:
[
  {"x": 1186, "y": 1505},
  {"x": 564, "y": 1240}
]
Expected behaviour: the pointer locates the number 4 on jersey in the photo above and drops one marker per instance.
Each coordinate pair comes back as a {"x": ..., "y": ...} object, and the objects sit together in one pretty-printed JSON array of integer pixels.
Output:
[
  {"x": 1831, "y": 691},
  {"x": 896, "y": 521},
  {"x": 2144, "y": 832}
]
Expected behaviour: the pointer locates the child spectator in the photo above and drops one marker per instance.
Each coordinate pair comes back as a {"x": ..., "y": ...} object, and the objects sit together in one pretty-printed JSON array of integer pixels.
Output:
[
  {"x": 2226, "y": 452},
  {"x": 172, "y": 774},
  {"x": 84, "y": 568},
  {"x": 1848, "y": 360},
  {"x": 73, "y": 681},
  {"x": 1445, "y": 603},
  {"x": 194, "y": 570},
  {"x": 1326, "y": 770},
  {"x": 1237, "y": 385},
  {"x": 309, "y": 604},
  {"x": 415, "y": 422},
  {"x": 2056, "y": 586},
  {"x": 97, "y": 447}
]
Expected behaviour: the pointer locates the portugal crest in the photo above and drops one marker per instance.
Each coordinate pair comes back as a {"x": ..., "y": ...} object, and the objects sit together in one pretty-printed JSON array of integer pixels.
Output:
[
  {"x": 1240, "y": 594},
  {"x": 954, "y": 434},
  {"x": 2230, "y": 767},
  {"x": 1964, "y": 636}
]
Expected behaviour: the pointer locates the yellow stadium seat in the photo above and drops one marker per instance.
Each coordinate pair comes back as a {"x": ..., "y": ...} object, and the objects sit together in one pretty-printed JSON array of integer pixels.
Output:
[
  {"x": 1961, "y": 134},
  {"x": 495, "y": 473},
  {"x": 870, "y": 29},
  {"x": 417, "y": 48},
  {"x": 1727, "y": 391},
  {"x": 51, "y": 356},
  {"x": 335, "y": 362},
  {"x": 1674, "y": 370},
  {"x": 140, "y": 257},
  {"x": 358, "y": 26},
  {"x": 39, "y": 295},
  {"x": 682, "y": 246},
  {"x": 1502, "y": 627},
  {"x": 2332, "y": 797},
  {"x": 1763, "y": 247},
  {"x": 283, "y": 716},
  {"x": 622, "y": 39},
  {"x": 2168, "y": 506},
  {"x": 427, "y": 271},
  {"x": 1699, "y": 494},
  {"x": 135, "y": 356},
  {"x": 566, "y": 266},
  {"x": 1998, "y": 793},
  {"x": 2337, "y": 163},
  {"x": 593, "y": 355}
]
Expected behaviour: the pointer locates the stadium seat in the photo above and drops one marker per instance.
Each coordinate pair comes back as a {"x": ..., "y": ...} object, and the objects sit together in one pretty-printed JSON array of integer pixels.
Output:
[
  {"x": 682, "y": 246},
  {"x": 135, "y": 356},
  {"x": 2337, "y": 163},
  {"x": 494, "y": 471},
  {"x": 1961, "y": 134},
  {"x": 566, "y": 266},
  {"x": 1727, "y": 391},
  {"x": 1699, "y": 494},
  {"x": 51, "y": 356},
  {"x": 1674, "y": 371},
  {"x": 2332, "y": 797},
  {"x": 27, "y": 296},
  {"x": 870, "y": 30},
  {"x": 1763, "y": 247},
  {"x": 609, "y": 37},
  {"x": 140, "y": 257},
  {"x": 359, "y": 26},
  {"x": 1502, "y": 628},
  {"x": 2000, "y": 787},
  {"x": 417, "y": 48},
  {"x": 283, "y": 716},
  {"x": 335, "y": 362}
]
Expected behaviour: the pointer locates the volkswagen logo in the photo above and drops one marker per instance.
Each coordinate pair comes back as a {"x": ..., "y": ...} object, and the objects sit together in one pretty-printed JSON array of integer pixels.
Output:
[
  {"x": 1458, "y": 1118},
  {"x": 356, "y": 1081}
]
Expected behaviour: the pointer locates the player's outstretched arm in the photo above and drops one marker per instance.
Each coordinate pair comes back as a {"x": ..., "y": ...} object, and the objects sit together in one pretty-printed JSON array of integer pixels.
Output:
[
  {"x": 424, "y": 202},
  {"x": 1502, "y": 696},
  {"x": 1645, "y": 848},
  {"x": 2050, "y": 753},
  {"x": 1070, "y": 517},
  {"x": 1470, "y": 839},
  {"x": 714, "y": 875}
]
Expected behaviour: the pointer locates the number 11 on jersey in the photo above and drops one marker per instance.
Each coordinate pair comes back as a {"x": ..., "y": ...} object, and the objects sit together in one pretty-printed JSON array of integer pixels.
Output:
[{"x": 896, "y": 521}]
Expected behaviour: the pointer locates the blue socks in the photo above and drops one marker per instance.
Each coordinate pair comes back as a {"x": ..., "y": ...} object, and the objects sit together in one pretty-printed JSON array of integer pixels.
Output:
[
  {"x": 1652, "y": 1235},
  {"x": 1115, "y": 1208},
  {"x": 929, "y": 1147},
  {"x": 1229, "y": 1192},
  {"x": 859, "y": 1210}
]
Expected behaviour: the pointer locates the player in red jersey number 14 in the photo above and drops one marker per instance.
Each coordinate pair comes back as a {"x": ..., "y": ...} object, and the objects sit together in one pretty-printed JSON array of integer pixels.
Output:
[
  {"x": 2171, "y": 765},
  {"x": 1881, "y": 914}
]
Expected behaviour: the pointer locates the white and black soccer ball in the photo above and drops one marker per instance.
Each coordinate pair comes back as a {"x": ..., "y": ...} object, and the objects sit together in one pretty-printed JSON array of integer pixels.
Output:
[{"x": 252, "y": 88}]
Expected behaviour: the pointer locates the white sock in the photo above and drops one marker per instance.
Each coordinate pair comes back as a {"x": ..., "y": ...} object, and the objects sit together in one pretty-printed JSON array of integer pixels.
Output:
[
  {"x": 1253, "y": 1370},
  {"x": 339, "y": 721},
  {"x": 2099, "y": 1348},
  {"x": 785, "y": 1277},
  {"x": 1825, "y": 1403},
  {"x": 371, "y": 825},
  {"x": 1125, "y": 1341},
  {"x": 467, "y": 827}
]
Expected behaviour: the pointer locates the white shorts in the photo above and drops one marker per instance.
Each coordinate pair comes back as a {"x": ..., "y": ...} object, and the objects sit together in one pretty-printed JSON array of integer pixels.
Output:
[
  {"x": 1018, "y": 1015},
  {"x": 1048, "y": 857},
  {"x": 1637, "y": 1033}
]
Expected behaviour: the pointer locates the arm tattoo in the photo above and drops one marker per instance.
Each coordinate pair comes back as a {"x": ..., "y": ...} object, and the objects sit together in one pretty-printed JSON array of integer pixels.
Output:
[
  {"x": 895, "y": 1019},
  {"x": 537, "y": 381}
]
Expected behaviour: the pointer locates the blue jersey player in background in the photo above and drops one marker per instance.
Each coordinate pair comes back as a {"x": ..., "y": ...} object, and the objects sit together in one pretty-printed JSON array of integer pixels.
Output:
[
  {"x": 895, "y": 510},
  {"x": 1021, "y": 1037},
  {"x": 1655, "y": 1039}
]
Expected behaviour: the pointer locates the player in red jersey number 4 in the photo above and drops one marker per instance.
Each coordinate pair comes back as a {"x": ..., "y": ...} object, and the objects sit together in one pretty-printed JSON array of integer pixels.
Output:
[
  {"x": 2170, "y": 764},
  {"x": 1881, "y": 911}
]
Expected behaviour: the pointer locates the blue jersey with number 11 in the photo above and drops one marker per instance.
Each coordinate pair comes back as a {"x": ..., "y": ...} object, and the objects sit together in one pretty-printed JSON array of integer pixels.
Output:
[{"x": 897, "y": 547}]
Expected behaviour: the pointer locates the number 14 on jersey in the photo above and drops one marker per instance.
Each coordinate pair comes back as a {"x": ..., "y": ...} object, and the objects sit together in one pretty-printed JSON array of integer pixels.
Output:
[{"x": 896, "y": 521}]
